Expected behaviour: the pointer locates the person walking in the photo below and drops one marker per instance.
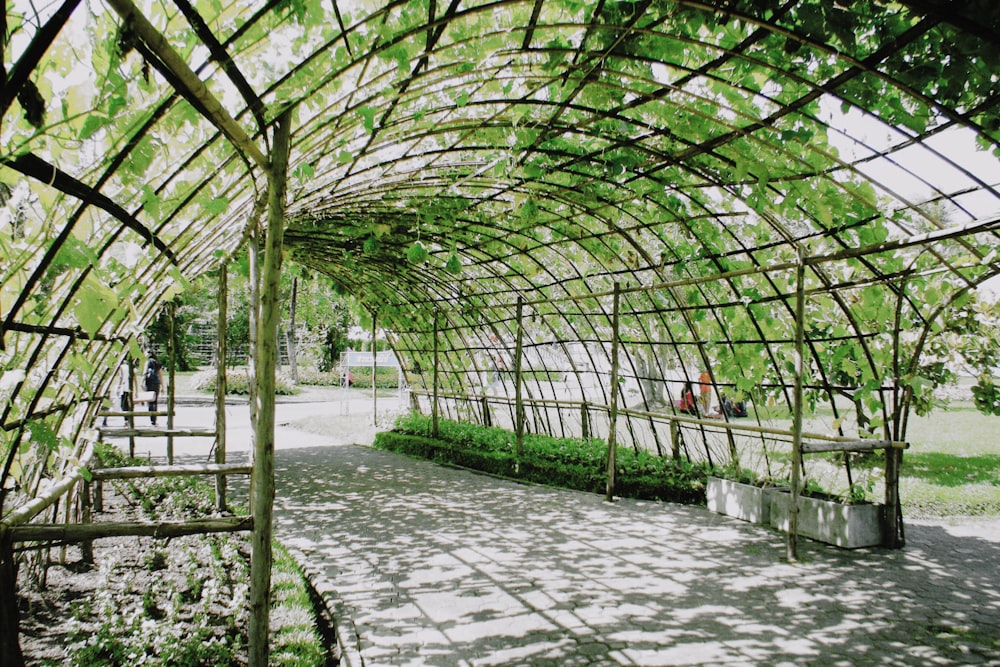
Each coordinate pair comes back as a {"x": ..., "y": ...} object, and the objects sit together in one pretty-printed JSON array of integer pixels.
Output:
[{"x": 152, "y": 380}]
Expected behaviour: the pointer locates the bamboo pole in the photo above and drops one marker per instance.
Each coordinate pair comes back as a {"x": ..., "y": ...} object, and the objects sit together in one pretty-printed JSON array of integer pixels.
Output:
[
  {"x": 26, "y": 512},
  {"x": 10, "y": 646},
  {"x": 142, "y": 472},
  {"x": 675, "y": 440},
  {"x": 793, "y": 513},
  {"x": 86, "y": 511},
  {"x": 434, "y": 374},
  {"x": 221, "y": 382},
  {"x": 613, "y": 399},
  {"x": 518, "y": 396},
  {"x": 862, "y": 445},
  {"x": 172, "y": 365},
  {"x": 82, "y": 532},
  {"x": 130, "y": 419},
  {"x": 374, "y": 367},
  {"x": 189, "y": 81},
  {"x": 266, "y": 363}
]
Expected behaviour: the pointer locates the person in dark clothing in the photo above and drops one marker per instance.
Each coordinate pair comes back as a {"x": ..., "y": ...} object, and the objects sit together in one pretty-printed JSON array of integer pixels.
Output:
[{"x": 152, "y": 380}]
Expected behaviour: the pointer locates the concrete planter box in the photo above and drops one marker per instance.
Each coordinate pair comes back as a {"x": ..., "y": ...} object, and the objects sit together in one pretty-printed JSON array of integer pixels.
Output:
[
  {"x": 831, "y": 521},
  {"x": 743, "y": 501}
]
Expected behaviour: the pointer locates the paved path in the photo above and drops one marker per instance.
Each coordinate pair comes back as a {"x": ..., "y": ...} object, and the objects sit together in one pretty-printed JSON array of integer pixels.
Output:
[{"x": 427, "y": 565}]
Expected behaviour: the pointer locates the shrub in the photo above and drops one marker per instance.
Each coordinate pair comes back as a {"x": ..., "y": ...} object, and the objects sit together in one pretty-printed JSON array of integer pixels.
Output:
[
  {"x": 238, "y": 382},
  {"x": 574, "y": 463}
]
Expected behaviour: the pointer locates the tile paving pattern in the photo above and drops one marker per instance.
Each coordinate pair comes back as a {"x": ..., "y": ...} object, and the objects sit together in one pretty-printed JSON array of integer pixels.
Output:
[{"x": 429, "y": 565}]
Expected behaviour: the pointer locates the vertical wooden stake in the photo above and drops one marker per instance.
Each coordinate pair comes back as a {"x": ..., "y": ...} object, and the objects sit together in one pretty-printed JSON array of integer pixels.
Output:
[
  {"x": 293, "y": 343},
  {"x": 675, "y": 440},
  {"x": 518, "y": 398},
  {"x": 221, "y": 382},
  {"x": 86, "y": 511},
  {"x": 613, "y": 408},
  {"x": 374, "y": 366},
  {"x": 254, "y": 260},
  {"x": 585, "y": 420},
  {"x": 10, "y": 626},
  {"x": 129, "y": 407},
  {"x": 793, "y": 512},
  {"x": 266, "y": 363},
  {"x": 171, "y": 374},
  {"x": 434, "y": 380}
]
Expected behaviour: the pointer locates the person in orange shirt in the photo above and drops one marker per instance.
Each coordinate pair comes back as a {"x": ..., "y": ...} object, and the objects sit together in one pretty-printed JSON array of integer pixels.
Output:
[{"x": 705, "y": 384}]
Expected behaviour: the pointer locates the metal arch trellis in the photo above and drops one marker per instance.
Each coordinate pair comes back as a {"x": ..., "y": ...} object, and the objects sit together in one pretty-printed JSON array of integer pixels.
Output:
[{"x": 678, "y": 155}]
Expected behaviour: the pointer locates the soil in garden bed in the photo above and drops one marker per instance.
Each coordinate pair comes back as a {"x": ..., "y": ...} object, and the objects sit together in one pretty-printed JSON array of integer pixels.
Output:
[{"x": 67, "y": 601}]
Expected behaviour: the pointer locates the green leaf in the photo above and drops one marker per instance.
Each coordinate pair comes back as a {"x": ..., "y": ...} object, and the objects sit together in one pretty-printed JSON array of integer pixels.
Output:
[
  {"x": 216, "y": 206},
  {"x": 43, "y": 435},
  {"x": 453, "y": 266},
  {"x": 417, "y": 253},
  {"x": 368, "y": 117},
  {"x": 94, "y": 304},
  {"x": 150, "y": 202},
  {"x": 92, "y": 124}
]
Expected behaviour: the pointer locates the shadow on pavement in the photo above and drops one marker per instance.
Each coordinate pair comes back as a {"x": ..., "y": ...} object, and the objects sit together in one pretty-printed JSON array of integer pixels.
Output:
[{"x": 432, "y": 565}]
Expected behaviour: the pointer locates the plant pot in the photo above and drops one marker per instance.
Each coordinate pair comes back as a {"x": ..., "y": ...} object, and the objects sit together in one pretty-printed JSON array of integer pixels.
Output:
[
  {"x": 748, "y": 502},
  {"x": 831, "y": 521}
]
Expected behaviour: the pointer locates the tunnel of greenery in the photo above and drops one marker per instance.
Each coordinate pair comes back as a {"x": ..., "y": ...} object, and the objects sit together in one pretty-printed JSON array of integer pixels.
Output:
[{"x": 792, "y": 203}]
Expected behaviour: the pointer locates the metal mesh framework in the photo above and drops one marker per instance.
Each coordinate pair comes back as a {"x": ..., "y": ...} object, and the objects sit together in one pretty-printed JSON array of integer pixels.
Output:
[{"x": 450, "y": 158}]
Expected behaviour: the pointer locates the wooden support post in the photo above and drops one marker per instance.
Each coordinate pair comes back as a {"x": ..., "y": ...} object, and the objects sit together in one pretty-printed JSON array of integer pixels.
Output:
[
  {"x": 675, "y": 440},
  {"x": 893, "y": 537},
  {"x": 86, "y": 516},
  {"x": 10, "y": 630},
  {"x": 266, "y": 363},
  {"x": 129, "y": 406},
  {"x": 221, "y": 383},
  {"x": 434, "y": 374},
  {"x": 518, "y": 398},
  {"x": 793, "y": 513},
  {"x": 374, "y": 367},
  {"x": 171, "y": 373},
  {"x": 613, "y": 399},
  {"x": 487, "y": 420},
  {"x": 584, "y": 420}
]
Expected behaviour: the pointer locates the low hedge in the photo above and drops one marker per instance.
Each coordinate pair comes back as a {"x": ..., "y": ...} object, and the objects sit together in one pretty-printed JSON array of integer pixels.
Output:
[{"x": 572, "y": 463}]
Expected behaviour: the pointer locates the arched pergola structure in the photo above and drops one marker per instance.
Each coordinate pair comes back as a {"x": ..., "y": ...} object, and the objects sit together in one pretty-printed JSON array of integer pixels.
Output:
[{"x": 449, "y": 161}]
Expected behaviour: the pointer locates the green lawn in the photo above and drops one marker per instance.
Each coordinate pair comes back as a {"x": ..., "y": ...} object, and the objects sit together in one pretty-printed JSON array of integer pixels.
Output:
[{"x": 953, "y": 465}]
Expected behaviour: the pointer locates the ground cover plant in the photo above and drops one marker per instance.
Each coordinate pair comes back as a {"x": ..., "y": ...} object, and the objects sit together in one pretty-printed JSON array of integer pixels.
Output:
[
  {"x": 574, "y": 463},
  {"x": 238, "y": 382},
  {"x": 361, "y": 377},
  {"x": 176, "y": 603}
]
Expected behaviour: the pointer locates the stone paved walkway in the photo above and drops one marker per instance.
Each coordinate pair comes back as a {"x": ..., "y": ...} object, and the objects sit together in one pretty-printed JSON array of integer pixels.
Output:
[{"x": 427, "y": 565}]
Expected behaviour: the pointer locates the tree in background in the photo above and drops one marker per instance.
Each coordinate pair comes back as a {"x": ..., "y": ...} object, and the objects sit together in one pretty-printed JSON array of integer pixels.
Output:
[{"x": 322, "y": 319}]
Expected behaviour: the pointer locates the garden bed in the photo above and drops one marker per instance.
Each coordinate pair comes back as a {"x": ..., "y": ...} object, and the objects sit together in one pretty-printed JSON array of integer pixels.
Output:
[
  {"x": 830, "y": 520},
  {"x": 165, "y": 603},
  {"x": 748, "y": 502},
  {"x": 572, "y": 463}
]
